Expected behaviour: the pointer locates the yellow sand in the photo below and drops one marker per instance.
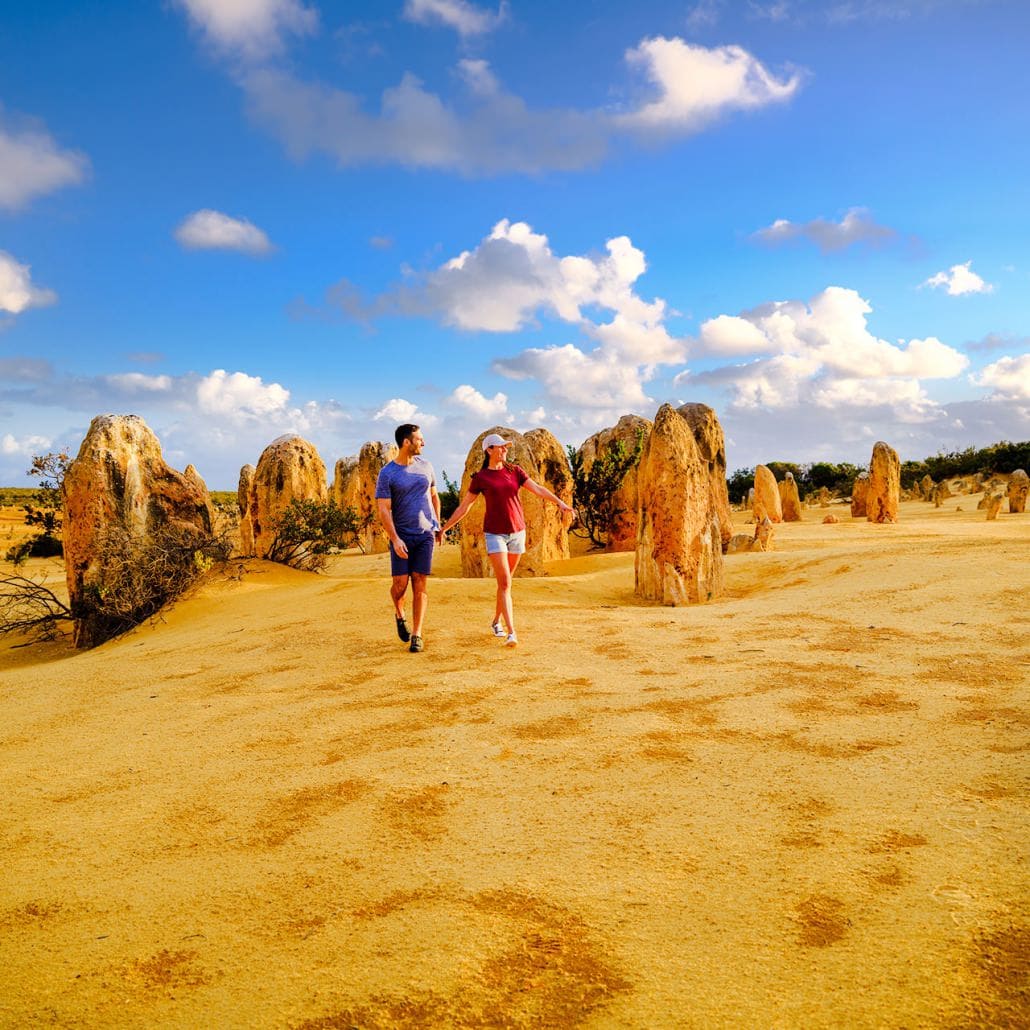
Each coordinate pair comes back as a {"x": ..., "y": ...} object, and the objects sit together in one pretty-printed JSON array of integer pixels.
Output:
[{"x": 805, "y": 805}]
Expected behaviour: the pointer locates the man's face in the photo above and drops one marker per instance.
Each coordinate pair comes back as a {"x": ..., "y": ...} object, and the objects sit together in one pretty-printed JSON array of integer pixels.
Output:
[{"x": 416, "y": 442}]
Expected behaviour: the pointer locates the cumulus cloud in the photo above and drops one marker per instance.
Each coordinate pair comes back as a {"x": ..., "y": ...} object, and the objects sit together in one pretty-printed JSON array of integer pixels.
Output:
[
  {"x": 25, "y": 446},
  {"x": 697, "y": 85},
  {"x": 398, "y": 410},
  {"x": 137, "y": 382},
  {"x": 855, "y": 227},
  {"x": 471, "y": 400},
  {"x": 959, "y": 280},
  {"x": 237, "y": 394},
  {"x": 467, "y": 19},
  {"x": 32, "y": 163},
  {"x": 251, "y": 29},
  {"x": 1009, "y": 377},
  {"x": 17, "y": 292},
  {"x": 212, "y": 230},
  {"x": 821, "y": 354}
]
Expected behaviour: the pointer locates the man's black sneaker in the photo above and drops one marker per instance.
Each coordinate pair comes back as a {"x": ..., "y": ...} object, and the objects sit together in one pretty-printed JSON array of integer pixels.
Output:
[
  {"x": 416, "y": 643},
  {"x": 402, "y": 630}
]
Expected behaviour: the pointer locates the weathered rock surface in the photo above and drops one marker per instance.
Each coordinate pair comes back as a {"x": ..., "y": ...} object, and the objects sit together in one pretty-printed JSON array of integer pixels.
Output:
[
  {"x": 541, "y": 457},
  {"x": 927, "y": 486},
  {"x": 790, "y": 500},
  {"x": 354, "y": 486},
  {"x": 884, "y": 484},
  {"x": 859, "y": 494},
  {"x": 711, "y": 445},
  {"x": 830, "y": 520},
  {"x": 679, "y": 540},
  {"x": 764, "y": 533},
  {"x": 119, "y": 482},
  {"x": 246, "y": 530},
  {"x": 1019, "y": 487},
  {"x": 289, "y": 468},
  {"x": 767, "y": 496},
  {"x": 626, "y": 431},
  {"x": 993, "y": 506}
]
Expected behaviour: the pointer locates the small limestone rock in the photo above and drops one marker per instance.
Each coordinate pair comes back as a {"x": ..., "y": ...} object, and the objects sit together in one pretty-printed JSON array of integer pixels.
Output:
[
  {"x": 790, "y": 501},
  {"x": 884, "y": 484},
  {"x": 993, "y": 506},
  {"x": 1019, "y": 487},
  {"x": 859, "y": 493},
  {"x": 830, "y": 520},
  {"x": 767, "y": 496}
]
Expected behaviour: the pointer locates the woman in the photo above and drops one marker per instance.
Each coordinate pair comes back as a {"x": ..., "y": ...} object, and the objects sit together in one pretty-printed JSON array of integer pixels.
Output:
[{"x": 504, "y": 525}]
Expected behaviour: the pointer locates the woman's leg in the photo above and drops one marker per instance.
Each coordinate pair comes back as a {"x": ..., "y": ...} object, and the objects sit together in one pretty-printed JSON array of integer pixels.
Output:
[{"x": 504, "y": 565}]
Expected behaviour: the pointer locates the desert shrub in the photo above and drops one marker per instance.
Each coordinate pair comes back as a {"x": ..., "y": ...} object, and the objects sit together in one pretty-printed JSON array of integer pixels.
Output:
[
  {"x": 138, "y": 576},
  {"x": 740, "y": 483},
  {"x": 29, "y": 606},
  {"x": 51, "y": 469},
  {"x": 594, "y": 490},
  {"x": 450, "y": 497},
  {"x": 308, "y": 531}
]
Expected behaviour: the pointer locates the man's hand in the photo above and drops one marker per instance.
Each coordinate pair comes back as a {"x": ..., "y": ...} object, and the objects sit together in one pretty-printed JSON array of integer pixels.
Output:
[{"x": 398, "y": 547}]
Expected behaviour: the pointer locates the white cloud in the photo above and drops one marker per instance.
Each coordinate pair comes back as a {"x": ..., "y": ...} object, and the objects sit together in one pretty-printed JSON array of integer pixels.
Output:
[
  {"x": 1009, "y": 376},
  {"x": 855, "y": 227},
  {"x": 212, "y": 230},
  {"x": 32, "y": 164},
  {"x": 26, "y": 446},
  {"x": 17, "y": 293},
  {"x": 467, "y": 19},
  {"x": 137, "y": 382},
  {"x": 252, "y": 29},
  {"x": 240, "y": 395},
  {"x": 959, "y": 280},
  {"x": 399, "y": 410},
  {"x": 471, "y": 400},
  {"x": 697, "y": 85}
]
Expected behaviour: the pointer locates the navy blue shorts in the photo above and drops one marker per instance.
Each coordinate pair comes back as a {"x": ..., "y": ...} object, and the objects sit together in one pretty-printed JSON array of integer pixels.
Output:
[{"x": 420, "y": 556}]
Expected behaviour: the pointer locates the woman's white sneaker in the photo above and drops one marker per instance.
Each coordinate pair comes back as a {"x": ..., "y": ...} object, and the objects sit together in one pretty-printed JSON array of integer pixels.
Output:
[
  {"x": 498, "y": 630},
  {"x": 512, "y": 641}
]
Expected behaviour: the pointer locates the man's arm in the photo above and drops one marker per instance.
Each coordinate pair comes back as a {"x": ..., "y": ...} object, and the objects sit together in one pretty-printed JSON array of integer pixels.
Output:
[{"x": 385, "y": 508}]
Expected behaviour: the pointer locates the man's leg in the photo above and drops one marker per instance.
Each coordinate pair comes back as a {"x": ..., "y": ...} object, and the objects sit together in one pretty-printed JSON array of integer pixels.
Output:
[
  {"x": 398, "y": 586},
  {"x": 419, "y": 601}
]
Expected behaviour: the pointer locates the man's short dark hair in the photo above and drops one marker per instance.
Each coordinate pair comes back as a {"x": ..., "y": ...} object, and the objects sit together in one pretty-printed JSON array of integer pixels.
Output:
[{"x": 404, "y": 432}]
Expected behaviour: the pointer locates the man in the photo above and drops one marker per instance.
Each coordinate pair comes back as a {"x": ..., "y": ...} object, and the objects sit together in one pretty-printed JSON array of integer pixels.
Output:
[{"x": 409, "y": 509}]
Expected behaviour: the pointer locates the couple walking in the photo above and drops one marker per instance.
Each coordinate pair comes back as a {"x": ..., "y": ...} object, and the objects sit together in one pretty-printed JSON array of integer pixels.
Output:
[{"x": 409, "y": 510}]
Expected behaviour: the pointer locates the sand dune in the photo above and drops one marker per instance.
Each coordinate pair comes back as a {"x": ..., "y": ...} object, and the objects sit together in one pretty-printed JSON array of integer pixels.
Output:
[{"x": 805, "y": 804}]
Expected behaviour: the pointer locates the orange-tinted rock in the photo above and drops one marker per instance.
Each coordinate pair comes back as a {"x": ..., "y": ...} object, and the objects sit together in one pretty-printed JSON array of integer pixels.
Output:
[
  {"x": 790, "y": 501},
  {"x": 884, "y": 490},
  {"x": 711, "y": 445},
  {"x": 927, "y": 486},
  {"x": 541, "y": 457},
  {"x": 859, "y": 495},
  {"x": 289, "y": 469},
  {"x": 243, "y": 503},
  {"x": 993, "y": 506},
  {"x": 679, "y": 542},
  {"x": 767, "y": 496},
  {"x": 120, "y": 482},
  {"x": 1019, "y": 487},
  {"x": 354, "y": 486},
  {"x": 629, "y": 428},
  {"x": 830, "y": 520}
]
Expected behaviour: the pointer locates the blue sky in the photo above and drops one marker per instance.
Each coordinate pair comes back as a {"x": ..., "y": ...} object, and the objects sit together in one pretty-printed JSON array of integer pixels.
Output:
[{"x": 241, "y": 218}]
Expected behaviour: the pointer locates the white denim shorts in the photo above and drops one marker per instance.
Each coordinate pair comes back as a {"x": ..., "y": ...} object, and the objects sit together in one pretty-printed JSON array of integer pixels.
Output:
[{"x": 506, "y": 543}]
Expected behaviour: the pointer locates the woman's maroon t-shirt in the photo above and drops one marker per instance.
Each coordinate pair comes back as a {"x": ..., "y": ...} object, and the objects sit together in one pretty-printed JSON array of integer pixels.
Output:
[{"x": 500, "y": 487}]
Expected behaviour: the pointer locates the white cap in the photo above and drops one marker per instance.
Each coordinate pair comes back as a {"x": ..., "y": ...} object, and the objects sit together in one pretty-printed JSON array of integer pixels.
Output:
[{"x": 493, "y": 440}]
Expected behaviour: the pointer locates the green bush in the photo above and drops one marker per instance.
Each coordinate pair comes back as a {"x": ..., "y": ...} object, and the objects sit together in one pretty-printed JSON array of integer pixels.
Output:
[{"x": 594, "y": 490}]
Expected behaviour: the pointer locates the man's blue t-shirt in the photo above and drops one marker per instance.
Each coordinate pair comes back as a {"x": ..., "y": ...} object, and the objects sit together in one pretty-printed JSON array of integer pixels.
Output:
[{"x": 408, "y": 489}]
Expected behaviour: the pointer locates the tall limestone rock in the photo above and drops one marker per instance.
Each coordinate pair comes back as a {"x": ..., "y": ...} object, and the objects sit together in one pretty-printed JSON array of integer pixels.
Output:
[
  {"x": 711, "y": 445},
  {"x": 354, "y": 486},
  {"x": 927, "y": 486},
  {"x": 243, "y": 503},
  {"x": 119, "y": 483},
  {"x": 767, "y": 496},
  {"x": 679, "y": 557},
  {"x": 626, "y": 431},
  {"x": 289, "y": 468},
  {"x": 790, "y": 500},
  {"x": 884, "y": 484},
  {"x": 993, "y": 506},
  {"x": 541, "y": 457},
  {"x": 1019, "y": 487},
  {"x": 860, "y": 496}
]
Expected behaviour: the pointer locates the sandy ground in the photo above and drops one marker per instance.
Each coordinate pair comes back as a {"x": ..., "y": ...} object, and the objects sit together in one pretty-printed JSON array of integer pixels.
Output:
[{"x": 804, "y": 805}]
